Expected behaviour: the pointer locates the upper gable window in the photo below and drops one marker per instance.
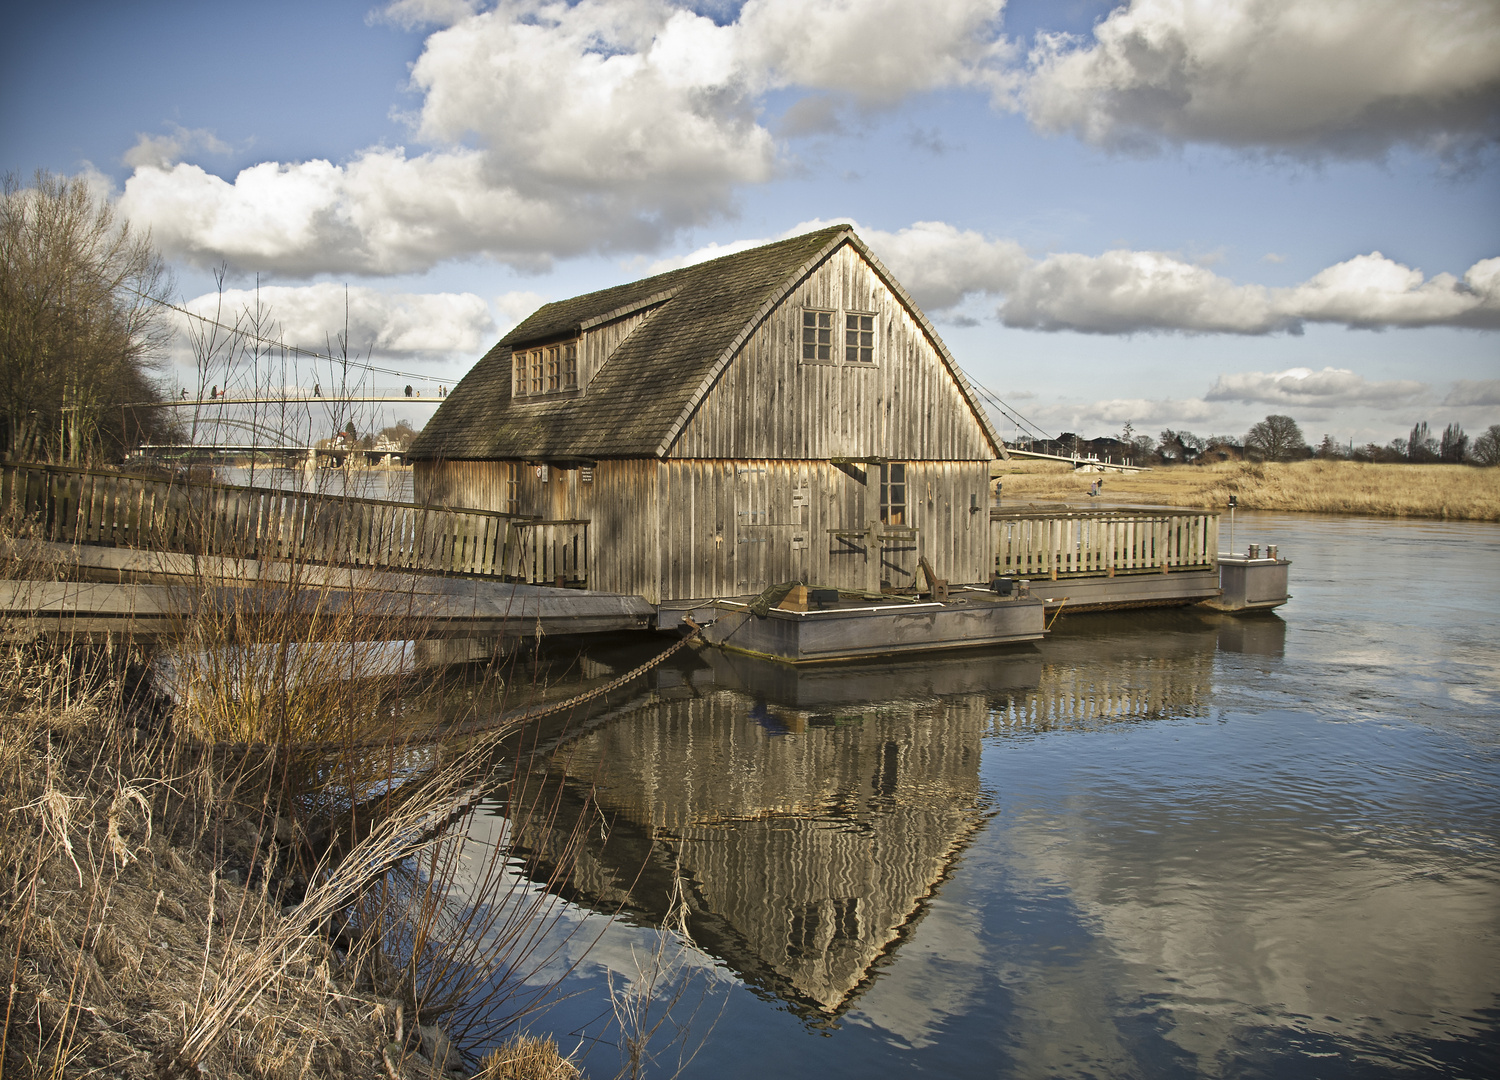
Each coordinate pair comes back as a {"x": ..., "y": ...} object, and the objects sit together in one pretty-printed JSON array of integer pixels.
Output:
[
  {"x": 831, "y": 336},
  {"x": 550, "y": 369},
  {"x": 859, "y": 338},
  {"x": 817, "y": 335}
]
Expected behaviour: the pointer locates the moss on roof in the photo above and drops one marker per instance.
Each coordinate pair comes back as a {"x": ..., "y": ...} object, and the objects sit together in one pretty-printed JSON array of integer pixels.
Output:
[
  {"x": 639, "y": 399},
  {"x": 633, "y": 404}
]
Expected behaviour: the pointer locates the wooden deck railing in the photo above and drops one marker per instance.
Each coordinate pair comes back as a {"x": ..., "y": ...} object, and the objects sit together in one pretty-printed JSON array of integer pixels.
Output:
[
  {"x": 84, "y": 506},
  {"x": 1106, "y": 543}
]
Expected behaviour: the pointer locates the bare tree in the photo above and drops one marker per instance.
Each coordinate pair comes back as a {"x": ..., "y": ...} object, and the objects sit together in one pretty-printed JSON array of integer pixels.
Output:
[
  {"x": 1455, "y": 444},
  {"x": 1420, "y": 445},
  {"x": 1486, "y": 447},
  {"x": 80, "y": 328},
  {"x": 1276, "y": 438},
  {"x": 1181, "y": 446}
]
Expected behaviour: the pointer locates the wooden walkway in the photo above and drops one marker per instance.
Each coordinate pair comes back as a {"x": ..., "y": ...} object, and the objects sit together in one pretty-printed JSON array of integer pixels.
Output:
[
  {"x": 106, "y": 555},
  {"x": 150, "y": 596},
  {"x": 1087, "y": 558}
]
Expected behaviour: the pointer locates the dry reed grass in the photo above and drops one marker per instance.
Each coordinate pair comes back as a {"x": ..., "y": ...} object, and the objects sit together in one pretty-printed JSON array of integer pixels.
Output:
[
  {"x": 521, "y": 1058},
  {"x": 165, "y": 911},
  {"x": 1456, "y": 492}
]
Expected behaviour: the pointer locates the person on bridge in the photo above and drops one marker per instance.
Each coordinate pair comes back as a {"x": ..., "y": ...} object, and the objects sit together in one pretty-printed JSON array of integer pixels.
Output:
[{"x": 408, "y": 389}]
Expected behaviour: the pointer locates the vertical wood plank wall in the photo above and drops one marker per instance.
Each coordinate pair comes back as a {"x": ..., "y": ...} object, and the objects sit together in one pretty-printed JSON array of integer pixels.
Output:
[
  {"x": 734, "y": 527},
  {"x": 769, "y": 403},
  {"x": 483, "y": 485},
  {"x": 676, "y": 530}
]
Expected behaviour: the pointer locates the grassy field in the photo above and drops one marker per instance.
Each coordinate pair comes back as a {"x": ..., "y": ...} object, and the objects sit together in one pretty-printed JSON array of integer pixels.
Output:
[{"x": 1458, "y": 492}]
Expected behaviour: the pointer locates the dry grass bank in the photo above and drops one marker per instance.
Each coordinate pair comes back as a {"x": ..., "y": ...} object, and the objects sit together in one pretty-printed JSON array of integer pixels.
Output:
[
  {"x": 1457, "y": 492},
  {"x": 152, "y": 920}
]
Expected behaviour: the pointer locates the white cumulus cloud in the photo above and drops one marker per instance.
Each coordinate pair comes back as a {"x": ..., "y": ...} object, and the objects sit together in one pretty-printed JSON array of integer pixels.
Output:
[
  {"x": 877, "y": 51},
  {"x": 1331, "y": 77},
  {"x": 1110, "y": 415},
  {"x": 1122, "y": 292},
  {"x": 164, "y": 151},
  {"x": 1125, "y": 292},
  {"x": 1329, "y": 388},
  {"x": 550, "y": 129},
  {"x": 312, "y": 317}
]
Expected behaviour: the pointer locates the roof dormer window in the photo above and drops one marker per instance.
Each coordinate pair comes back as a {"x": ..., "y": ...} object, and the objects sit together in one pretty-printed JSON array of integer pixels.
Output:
[{"x": 544, "y": 369}]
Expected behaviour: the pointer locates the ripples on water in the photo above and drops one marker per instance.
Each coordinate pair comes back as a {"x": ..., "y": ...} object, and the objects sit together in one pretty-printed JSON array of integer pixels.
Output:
[{"x": 1159, "y": 844}]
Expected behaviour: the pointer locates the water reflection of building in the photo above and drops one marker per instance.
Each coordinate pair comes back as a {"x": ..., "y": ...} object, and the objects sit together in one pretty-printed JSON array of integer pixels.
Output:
[
  {"x": 807, "y": 840},
  {"x": 810, "y": 813},
  {"x": 808, "y": 823},
  {"x": 1087, "y": 678}
]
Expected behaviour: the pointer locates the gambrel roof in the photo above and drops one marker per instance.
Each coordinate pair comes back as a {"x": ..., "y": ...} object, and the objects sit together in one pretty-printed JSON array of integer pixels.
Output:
[{"x": 638, "y": 402}]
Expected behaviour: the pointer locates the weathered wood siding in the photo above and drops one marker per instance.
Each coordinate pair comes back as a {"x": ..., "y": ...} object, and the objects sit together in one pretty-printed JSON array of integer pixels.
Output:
[
  {"x": 679, "y": 530},
  {"x": 747, "y": 495},
  {"x": 481, "y": 485},
  {"x": 624, "y": 506},
  {"x": 730, "y": 528},
  {"x": 769, "y": 403}
]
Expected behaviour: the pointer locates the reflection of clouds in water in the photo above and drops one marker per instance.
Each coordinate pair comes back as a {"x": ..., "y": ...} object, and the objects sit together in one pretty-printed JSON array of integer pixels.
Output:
[
  {"x": 596, "y": 947},
  {"x": 933, "y": 979},
  {"x": 1225, "y": 921}
]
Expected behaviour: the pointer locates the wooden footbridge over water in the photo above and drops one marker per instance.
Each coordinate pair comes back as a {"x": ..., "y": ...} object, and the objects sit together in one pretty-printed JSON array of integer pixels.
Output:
[{"x": 100, "y": 554}]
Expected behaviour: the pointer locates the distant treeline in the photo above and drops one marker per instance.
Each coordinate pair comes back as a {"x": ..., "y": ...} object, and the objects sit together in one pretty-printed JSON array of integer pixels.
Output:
[{"x": 1276, "y": 438}]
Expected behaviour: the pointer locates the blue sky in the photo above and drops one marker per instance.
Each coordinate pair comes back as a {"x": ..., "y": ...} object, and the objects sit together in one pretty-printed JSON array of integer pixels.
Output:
[{"x": 1164, "y": 212}]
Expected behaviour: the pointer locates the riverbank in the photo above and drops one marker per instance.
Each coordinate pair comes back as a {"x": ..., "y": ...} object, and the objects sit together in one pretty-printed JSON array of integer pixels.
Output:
[
  {"x": 155, "y": 918},
  {"x": 1454, "y": 492}
]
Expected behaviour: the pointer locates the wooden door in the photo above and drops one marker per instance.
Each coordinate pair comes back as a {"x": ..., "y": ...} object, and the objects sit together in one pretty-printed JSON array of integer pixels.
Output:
[{"x": 769, "y": 537}]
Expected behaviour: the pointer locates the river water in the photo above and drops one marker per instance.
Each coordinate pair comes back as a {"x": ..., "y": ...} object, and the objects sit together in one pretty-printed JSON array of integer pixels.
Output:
[{"x": 1156, "y": 844}]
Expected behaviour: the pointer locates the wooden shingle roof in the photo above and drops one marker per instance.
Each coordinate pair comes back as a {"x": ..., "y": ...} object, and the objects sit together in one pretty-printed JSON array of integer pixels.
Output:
[{"x": 638, "y": 401}]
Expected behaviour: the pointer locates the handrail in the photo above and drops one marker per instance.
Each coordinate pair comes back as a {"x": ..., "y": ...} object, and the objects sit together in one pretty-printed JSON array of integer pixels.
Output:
[
  {"x": 1103, "y": 544},
  {"x": 92, "y": 506}
]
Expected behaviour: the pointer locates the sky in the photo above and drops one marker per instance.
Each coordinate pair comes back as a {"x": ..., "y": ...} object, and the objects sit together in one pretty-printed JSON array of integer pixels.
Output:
[{"x": 1167, "y": 213}]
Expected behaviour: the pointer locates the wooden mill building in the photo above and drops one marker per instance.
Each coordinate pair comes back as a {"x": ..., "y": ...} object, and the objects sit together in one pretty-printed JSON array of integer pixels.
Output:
[{"x": 783, "y": 413}]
